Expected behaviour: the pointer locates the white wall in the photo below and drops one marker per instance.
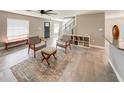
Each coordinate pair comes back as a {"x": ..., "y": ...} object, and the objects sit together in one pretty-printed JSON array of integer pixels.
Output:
[
  {"x": 109, "y": 23},
  {"x": 114, "y": 55},
  {"x": 116, "y": 58}
]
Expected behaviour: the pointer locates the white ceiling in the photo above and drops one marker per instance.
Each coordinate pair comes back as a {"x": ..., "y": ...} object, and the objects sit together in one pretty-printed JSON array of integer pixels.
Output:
[
  {"x": 70, "y": 13},
  {"x": 60, "y": 13},
  {"x": 114, "y": 14}
]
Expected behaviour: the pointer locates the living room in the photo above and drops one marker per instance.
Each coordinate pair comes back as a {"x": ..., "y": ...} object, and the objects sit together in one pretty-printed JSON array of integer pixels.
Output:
[{"x": 80, "y": 59}]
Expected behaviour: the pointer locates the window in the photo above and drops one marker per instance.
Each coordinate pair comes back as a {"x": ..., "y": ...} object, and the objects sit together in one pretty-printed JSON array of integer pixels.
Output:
[{"x": 17, "y": 29}]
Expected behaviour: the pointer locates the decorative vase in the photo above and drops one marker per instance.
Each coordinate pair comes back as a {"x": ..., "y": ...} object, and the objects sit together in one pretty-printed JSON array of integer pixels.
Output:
[{"x": 115, "y": 32}]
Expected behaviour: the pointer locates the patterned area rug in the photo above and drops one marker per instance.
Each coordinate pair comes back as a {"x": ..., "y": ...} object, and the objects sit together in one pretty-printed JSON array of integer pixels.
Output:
[{"x": 33, "y": 70}]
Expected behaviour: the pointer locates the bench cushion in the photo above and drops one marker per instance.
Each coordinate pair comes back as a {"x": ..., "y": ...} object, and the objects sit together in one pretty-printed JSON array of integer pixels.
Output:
[{"x": 48, "y": 50}]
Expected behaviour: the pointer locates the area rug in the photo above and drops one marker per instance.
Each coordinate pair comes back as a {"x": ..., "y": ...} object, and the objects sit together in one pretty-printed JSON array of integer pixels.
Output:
[{"x": 33, "y": 70}]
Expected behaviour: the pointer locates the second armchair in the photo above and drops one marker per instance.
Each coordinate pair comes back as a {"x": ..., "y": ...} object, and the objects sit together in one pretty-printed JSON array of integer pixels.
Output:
[{"x": 64, "y": 44}]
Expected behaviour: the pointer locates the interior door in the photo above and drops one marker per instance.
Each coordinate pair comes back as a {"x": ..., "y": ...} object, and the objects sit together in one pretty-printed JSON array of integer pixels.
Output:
[{"x": 47, "y": 29}]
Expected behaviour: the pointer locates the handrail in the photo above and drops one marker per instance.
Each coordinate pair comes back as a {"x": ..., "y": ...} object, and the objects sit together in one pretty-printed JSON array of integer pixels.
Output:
[
  {"x": 70, "y": 21},
  {"x": 69, "y": 26}
]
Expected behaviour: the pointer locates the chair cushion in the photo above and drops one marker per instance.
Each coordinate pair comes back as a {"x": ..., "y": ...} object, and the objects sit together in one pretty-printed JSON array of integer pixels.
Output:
[
  {"x": 40, "y": 45},
  {"x": 61, "y": 44}
]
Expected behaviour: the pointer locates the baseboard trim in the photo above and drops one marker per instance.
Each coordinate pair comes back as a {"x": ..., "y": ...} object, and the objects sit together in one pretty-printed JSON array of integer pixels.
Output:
[
  {"x": 116, "y": 72},
  {"x": 97, "y": 46}
]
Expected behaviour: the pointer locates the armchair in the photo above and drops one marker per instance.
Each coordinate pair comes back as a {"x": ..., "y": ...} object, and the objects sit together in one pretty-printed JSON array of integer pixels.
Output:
[
  {"x": 64, "y": 43},
  {"x": 36, "y": 43}
]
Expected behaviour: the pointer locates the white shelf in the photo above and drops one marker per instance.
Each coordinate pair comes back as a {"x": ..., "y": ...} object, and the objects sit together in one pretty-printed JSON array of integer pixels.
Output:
[{"x": 80, "y": 40}]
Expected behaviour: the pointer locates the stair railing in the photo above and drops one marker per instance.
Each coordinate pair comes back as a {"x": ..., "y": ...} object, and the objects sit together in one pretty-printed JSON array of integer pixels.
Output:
[{"x": 68, "y": 27}]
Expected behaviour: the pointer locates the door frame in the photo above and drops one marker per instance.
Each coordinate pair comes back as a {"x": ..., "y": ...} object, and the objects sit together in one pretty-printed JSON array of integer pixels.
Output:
[{"x": 48, "y": 25}]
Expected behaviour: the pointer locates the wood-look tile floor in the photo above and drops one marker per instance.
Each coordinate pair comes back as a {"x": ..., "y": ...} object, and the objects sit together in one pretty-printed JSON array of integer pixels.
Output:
[{"x": 87, "y": 65}]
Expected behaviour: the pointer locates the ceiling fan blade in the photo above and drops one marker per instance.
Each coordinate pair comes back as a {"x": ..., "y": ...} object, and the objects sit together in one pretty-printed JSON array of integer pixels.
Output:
[
  {"x": 48, "y": 10},
  {"x": 52, "y": 13}
]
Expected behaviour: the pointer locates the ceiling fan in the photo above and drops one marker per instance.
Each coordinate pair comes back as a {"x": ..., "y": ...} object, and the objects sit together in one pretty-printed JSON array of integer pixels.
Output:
[{"x": 47, "y": 12}]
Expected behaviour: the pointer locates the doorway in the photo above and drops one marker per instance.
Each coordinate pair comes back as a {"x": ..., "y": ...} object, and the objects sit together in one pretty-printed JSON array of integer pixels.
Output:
[{"x": 46, "y": 29}]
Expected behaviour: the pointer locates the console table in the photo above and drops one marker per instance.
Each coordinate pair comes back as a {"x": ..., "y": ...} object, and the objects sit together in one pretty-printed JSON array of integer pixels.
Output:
[{"x": 14, "y": 43}]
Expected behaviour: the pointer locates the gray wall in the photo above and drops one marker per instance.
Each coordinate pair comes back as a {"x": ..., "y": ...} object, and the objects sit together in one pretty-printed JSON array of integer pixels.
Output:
[
  {"x": 36, "y": 25},
  {"x": 90, "y": 24}
]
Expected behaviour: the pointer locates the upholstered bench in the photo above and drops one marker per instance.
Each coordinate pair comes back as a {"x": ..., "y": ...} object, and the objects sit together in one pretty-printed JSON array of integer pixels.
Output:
[{"x": 47, "y": 52}]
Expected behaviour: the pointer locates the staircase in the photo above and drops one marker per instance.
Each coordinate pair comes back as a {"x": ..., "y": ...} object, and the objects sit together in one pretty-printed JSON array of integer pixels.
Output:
[{"x": 68, "y": 28}]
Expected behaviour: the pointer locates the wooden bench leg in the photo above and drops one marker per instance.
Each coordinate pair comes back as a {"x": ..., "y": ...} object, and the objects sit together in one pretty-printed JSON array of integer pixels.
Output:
[
  {"x": 65, "y": 50},
  {"x": 47, "y": 61},
  {"x": 70, "y": 47},
  {"x": 54, "y": 56},
  {"x": 46, "y": 58},
  {"x": 43, "y": 59},
  {"x": 6, "y": 46}
]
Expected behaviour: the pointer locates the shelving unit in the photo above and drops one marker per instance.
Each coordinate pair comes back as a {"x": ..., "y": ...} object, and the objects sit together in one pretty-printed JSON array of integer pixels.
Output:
[{"x": 80, "y": 40}]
